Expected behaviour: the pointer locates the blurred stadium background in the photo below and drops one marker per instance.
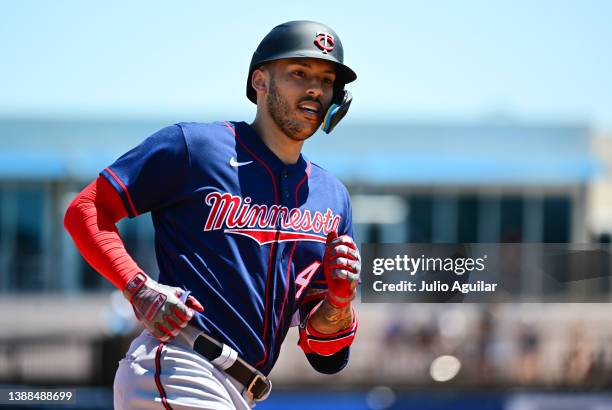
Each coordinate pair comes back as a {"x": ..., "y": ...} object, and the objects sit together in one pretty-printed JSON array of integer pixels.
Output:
[{"x": 440, "y": 177}]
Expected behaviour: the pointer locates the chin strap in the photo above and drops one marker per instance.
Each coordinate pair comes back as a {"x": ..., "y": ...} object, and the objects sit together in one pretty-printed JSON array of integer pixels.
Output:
[{"x": 336, "y": 112}]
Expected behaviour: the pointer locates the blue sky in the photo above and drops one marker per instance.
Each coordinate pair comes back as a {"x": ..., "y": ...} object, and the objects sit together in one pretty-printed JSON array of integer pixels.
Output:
[{"x": 187, "y": 60}]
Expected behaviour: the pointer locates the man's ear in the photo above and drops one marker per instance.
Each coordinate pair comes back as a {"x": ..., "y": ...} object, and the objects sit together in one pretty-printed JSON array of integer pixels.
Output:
[{"x": 259, "y": 79}]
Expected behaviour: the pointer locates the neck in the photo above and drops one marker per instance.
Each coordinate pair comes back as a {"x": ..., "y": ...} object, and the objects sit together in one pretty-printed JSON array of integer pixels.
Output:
[{"x": 285, "y": 148}]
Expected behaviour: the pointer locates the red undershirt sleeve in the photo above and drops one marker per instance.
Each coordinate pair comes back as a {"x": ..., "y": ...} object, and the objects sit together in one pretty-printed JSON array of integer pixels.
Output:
[{"x": 90, "y": 220}]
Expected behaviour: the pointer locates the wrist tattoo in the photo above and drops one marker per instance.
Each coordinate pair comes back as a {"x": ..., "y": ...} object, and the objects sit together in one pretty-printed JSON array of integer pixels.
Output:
[{"x": 340, "y": 317}]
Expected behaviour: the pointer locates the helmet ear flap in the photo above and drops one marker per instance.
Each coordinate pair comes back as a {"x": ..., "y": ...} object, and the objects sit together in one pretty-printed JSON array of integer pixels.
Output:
[{"x": 336, "y": 111}]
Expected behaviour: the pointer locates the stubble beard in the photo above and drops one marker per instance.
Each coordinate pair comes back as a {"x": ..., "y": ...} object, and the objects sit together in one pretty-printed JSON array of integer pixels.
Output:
[{"x": 280, "y": 111}]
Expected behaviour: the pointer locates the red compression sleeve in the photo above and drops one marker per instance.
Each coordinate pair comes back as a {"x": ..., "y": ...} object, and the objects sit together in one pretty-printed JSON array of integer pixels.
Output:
[{"x": 90, "y": 219}]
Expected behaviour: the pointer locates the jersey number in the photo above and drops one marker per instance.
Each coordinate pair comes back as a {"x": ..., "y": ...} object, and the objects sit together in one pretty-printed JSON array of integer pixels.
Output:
[{"x": 303, "y": 278}]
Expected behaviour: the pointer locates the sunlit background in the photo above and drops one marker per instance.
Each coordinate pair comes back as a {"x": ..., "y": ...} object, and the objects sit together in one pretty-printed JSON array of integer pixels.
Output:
[{"x": 473, "y": 121}]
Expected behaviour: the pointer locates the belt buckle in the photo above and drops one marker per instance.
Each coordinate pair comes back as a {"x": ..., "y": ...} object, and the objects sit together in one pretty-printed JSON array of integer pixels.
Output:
[{"x": 266, "y": 381}]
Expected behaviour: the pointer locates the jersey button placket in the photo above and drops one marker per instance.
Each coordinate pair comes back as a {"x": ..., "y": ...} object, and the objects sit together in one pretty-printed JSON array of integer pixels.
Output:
[
  {"x": 285, "y": 199},
  {"x": 285, "y": 189}
]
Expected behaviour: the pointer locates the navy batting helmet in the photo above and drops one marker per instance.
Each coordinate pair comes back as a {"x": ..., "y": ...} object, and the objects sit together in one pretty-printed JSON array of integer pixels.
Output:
[{"x": 307, "y": 39}]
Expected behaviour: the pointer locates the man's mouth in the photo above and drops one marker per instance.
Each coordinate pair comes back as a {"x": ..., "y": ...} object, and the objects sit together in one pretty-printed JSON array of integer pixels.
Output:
[{"x": 311, "y": 109}]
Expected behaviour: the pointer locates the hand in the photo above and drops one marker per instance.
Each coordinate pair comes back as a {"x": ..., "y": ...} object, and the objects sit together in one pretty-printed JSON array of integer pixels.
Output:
[
  {"x": 341, "y": 265},
  {"x": 159, "y": 307}
]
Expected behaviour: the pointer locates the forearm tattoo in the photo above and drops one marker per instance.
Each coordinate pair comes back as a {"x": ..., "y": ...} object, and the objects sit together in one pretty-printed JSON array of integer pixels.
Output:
[{"x": 330, "y": 319}]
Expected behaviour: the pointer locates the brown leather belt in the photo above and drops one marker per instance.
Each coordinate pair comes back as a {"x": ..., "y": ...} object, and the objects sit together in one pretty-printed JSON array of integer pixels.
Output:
[{"x": 255, "y": 382}]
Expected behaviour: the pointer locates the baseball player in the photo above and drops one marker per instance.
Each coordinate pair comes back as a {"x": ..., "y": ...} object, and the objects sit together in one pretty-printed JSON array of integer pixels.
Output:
[{"x": 250, "y": 237}]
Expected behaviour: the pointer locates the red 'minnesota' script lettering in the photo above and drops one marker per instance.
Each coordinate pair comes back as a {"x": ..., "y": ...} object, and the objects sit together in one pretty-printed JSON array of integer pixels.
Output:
[{"x": 235, "y": 212}]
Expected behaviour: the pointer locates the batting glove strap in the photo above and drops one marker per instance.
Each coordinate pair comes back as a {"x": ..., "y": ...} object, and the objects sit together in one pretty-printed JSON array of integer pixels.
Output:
[
  {"x": 337, "y": 301},
  {"x": 322, "y": 344}
]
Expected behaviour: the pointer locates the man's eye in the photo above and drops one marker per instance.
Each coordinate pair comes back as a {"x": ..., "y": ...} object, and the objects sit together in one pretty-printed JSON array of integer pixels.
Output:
[
  {"x": 299, "y": 73},
  {"x": 328, "y": 81}
]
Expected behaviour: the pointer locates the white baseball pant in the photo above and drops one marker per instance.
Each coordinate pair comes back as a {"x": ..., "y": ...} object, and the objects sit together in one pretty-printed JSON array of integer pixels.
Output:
[{"x": 153, "y": 375}]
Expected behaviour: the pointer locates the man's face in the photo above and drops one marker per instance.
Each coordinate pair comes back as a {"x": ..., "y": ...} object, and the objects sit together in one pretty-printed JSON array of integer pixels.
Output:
[{"x": 300, "y": 92}]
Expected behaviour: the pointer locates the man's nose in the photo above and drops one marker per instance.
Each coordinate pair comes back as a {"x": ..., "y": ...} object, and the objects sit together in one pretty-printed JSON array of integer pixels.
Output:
[{"x": 315, "y": 88}]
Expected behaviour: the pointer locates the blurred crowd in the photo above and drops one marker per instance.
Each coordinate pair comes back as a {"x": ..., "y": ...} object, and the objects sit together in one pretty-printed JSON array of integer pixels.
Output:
[{"x": 519, "y": 345}]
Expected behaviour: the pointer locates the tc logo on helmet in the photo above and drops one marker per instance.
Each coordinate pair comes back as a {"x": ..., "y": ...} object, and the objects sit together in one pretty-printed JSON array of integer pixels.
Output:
[{"x": 325, "y": 41}]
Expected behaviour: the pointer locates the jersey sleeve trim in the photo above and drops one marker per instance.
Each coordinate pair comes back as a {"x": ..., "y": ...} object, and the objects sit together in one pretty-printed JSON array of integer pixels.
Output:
[{"x": 120, "y": 187}]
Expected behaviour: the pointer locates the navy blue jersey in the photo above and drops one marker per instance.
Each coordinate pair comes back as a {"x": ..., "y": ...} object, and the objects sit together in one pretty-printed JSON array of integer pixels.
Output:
[{"x": 236, "y": 226}]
